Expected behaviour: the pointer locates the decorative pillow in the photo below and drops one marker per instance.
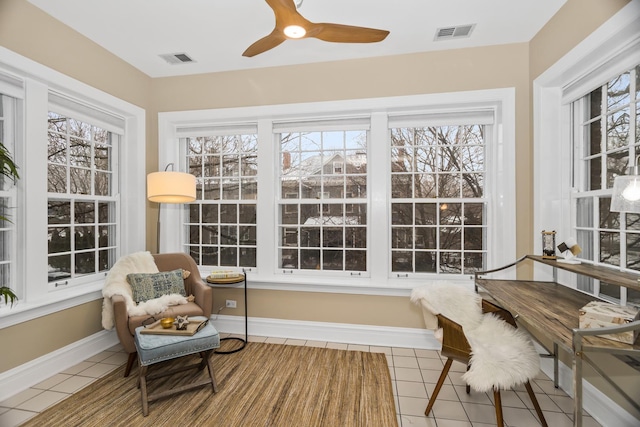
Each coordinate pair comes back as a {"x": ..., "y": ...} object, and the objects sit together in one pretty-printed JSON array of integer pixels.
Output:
[{"x": 146, "y": 286}]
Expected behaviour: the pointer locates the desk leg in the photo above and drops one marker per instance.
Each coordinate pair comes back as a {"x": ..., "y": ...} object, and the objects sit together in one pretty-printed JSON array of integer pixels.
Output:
[
  {"x": 577, "y": 384},
  {"x": 555, "y": 365},
  {"x": 246, "y": 310}
]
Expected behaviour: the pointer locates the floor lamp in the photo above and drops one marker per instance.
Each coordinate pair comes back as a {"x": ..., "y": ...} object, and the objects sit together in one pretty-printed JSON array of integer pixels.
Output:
[{"x": 170, "y": 187}]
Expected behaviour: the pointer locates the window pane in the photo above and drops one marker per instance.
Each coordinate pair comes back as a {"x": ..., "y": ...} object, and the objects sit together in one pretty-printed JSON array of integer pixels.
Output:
[
  {"x": 633, "y": 251},
  {"x": 595, "y": 173},
  {"x": 356, "y": 260},
  {"x": 595, "y": 103},
  {"x": 449, "y": 163},
  {"x": 81, "y": 167},
  {"x": 59, "y": 267},
  {"x": 225, "y": 167},
  {"x": 608, "y": 219},
  {"x": 584, "y": 214},
  {"x": 618, "y": 129},
  {"x": 610, "y": 248},
  {"x": 328, "y": 166},
  {"x": 594, "y": 135},
  {"x": 618, "y": 92}
]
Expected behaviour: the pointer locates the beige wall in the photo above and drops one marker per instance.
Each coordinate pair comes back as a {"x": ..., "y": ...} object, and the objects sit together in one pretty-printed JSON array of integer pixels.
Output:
[
  {"x": 572, "y": 24},
  {"x": 548, "y": 46},
  {"x": 29, "y": 32}
]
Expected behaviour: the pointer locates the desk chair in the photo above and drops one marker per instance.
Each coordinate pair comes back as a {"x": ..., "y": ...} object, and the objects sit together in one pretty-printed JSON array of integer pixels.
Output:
[{"x": 483, "y": 336}]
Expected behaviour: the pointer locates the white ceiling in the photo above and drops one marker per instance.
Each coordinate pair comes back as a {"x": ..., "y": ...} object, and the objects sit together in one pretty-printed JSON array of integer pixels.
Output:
[{"x": 215, "y": 32}]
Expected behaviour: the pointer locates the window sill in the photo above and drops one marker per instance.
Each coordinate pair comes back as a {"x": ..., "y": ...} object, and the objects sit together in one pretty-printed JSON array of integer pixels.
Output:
[
  {"x": 23, "y": 311},
  {"x": 345, "y": 285}
]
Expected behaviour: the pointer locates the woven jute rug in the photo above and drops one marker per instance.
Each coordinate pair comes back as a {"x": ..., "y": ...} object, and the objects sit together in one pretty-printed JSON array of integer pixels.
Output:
[{"x": 262, "y": 385}]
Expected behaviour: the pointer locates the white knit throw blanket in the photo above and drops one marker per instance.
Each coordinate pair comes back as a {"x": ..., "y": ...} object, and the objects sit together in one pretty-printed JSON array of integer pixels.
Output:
[{"x": 116, "y": 284}]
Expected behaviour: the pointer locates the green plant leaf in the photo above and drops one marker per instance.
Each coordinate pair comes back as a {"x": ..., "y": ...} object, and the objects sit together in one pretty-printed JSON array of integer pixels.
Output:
[{"x": 8, "y": 295}]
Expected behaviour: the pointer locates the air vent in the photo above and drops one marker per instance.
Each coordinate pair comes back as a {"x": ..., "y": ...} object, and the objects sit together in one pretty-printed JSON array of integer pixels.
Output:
[
  {"x": 176, "y": 58},
  {"x": 459, "y": 31}
]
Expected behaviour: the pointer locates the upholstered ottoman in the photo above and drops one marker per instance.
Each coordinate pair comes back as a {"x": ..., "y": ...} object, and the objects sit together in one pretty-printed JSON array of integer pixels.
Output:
[{"x": 159, "y": 348}]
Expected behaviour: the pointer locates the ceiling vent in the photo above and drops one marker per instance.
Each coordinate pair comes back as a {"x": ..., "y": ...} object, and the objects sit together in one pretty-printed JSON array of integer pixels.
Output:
[
  {"x": 460, "y": 31},
  {"x": 176, "y": 58}
]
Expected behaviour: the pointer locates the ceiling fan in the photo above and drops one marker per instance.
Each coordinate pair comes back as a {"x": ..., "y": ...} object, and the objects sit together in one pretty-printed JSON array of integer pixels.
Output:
[{"x": 291, "y": 25}]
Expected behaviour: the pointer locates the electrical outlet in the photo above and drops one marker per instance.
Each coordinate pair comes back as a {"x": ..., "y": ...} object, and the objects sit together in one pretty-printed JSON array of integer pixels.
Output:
[{"x": 231, "y": 303}]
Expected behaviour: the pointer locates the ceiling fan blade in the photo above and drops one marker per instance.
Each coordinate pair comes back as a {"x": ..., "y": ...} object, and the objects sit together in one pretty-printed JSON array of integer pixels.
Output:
[
  {"x": 265, "y": 43},
  {"x": 339, "y": 33},
  {"x": 288, "y": 5}
]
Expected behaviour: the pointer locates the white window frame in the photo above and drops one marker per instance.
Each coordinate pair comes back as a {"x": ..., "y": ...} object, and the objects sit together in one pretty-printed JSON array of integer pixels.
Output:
[
  {"x": 500, "y": 185},
  {"x": 35, "y": 293},
  {"x": 196, "y": 132},
  {"x": 610, "y": 50}
]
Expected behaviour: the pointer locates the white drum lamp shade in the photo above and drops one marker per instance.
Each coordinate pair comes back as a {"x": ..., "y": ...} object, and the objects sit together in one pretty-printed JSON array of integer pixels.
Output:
[{"x": 171, "y": 187}]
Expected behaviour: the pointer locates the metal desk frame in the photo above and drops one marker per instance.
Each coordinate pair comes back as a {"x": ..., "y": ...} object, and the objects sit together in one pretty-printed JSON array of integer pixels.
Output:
[{"x": 578, "y": 342}]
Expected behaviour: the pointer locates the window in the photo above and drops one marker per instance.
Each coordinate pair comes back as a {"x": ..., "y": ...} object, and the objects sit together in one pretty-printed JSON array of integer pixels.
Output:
[
  {"x": 338, "y": 197},
  {"x": 82, "y": 201},
  {"x": 8, "y": 200},
  {"x": 324, "y": 227},
  {"x": 585, "y": 134},
  {"x": 606, "y": 142},
  {"x": 69, "y": 224},
  {"x": 222, "y": 221},
  {"x": 438, "y": 206}
]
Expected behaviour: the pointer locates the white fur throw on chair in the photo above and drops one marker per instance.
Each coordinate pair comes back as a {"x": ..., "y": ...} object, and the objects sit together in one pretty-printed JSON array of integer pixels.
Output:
[
  {"x": 501, "y": 355},
  {"x": 116, "y": 284},
  {"x": 455, "y": 302}
]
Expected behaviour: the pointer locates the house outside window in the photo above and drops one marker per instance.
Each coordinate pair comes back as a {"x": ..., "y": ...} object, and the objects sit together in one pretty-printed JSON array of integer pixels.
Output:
[
  {"x": 324, "y": 227},
  {"x": 222, "y": 221},
  {"x": 82, "y": 197},
  {"x": 606, "y": 123}
]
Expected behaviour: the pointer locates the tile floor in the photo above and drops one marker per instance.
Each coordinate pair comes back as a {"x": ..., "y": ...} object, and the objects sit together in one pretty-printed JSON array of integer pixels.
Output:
[{"x": 414, "y": 373}]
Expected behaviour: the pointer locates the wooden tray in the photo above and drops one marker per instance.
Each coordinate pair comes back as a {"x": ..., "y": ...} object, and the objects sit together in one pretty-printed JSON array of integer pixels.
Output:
[{"x": 192, "y": 327}]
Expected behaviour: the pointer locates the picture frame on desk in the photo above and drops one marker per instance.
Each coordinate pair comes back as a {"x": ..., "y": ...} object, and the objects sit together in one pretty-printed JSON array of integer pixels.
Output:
[{"x": 549, "y": 244}]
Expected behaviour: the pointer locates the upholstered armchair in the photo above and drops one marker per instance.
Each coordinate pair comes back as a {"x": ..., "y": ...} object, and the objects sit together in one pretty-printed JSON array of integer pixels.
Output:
[{"x": 194, "y": 285}]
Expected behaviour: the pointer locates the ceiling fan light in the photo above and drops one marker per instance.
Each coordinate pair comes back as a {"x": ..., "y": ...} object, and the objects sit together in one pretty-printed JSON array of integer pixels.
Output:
[{"x": 294, "y": 31}]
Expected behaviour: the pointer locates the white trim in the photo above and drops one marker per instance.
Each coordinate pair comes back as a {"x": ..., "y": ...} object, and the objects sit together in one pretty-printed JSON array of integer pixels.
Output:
[
  {"x": 22, "y": 311},
  {"x": 35, "y": 371},
  {"x": 381, "y": 336},
  {"x": 355, "y": 285}
]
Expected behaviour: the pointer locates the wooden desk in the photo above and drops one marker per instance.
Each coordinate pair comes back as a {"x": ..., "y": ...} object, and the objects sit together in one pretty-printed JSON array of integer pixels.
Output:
[{"x": 552, "y": 310}]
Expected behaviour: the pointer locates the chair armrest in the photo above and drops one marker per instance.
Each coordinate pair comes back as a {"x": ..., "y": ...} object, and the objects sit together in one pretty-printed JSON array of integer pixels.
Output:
[
  {"x": 121, "y": 319},
  {"x": 489, "y": 307},
  {"x": 203, "y": 295}
]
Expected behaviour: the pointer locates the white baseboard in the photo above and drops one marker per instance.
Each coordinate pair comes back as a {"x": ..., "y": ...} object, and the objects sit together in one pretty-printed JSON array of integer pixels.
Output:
[
  {"x": 604, "y": 410},
  {"x": 31, "y": 373},
  {"x": 383, "y": 336}
]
